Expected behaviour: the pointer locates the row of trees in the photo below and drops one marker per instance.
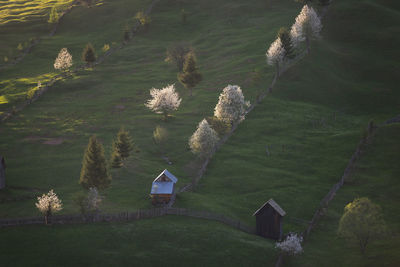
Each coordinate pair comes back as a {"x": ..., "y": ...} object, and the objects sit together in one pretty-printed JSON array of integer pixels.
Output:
[
  {"x": 64, "y": 58},
  {"x": 307, "y": 26}
]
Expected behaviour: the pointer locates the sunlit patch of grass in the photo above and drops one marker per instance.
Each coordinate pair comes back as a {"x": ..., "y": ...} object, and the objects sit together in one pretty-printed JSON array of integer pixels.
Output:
[{"x": 22, "y": 11}]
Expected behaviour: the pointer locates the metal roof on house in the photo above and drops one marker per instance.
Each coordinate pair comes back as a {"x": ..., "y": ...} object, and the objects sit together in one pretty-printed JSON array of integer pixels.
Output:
[
  {"x": 169, "y": 175},
  {"x": 274, "y": 205},
  {"x": 162, "y": 188}
]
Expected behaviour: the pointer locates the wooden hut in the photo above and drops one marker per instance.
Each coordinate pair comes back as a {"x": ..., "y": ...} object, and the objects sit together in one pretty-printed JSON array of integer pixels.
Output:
[
  {"x": 163, "y": 187},
  {"x": 2, "y": 172},
  {"x": 269, "y": 220}
]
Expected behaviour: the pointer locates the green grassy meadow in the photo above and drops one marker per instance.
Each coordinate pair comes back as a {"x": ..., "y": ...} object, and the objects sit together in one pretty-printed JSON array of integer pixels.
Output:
[{"x": 312, "y": 123}]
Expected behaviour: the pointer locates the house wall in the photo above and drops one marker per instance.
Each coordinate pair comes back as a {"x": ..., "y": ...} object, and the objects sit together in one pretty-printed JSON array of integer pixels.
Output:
[
  {"x": 268, "y": 223},
  {"x": 160, "y": 198}
]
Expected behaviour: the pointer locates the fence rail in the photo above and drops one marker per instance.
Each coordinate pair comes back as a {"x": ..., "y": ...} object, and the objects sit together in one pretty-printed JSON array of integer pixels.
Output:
[{"x": 129, "y": 216}]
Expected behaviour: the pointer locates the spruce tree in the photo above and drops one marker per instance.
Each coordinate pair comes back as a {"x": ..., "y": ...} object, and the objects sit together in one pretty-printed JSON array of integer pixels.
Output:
[
  {"x": 123, "y": 144},
  {"x": 94, "y": 171},
  {"x": 190, "y": 75},
  {"x": 286, "y": 41},
  {"x": 88, "y": 54}
]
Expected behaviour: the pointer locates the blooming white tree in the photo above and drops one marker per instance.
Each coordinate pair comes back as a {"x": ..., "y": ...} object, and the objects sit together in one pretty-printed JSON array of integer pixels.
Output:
[
  {"x": 291, "y": 245},
  {"x": 204, "y": 139},
  {"x": 93, "y": 200},
  {"x": 231, "y": 104},
  {"x": 276, "y": 54},
  {"x": 306, "y": 27},
  {"x": 48, "y": 204},
  {"x": 164, "y": 100},
  {"x": 63, "y": 60}
]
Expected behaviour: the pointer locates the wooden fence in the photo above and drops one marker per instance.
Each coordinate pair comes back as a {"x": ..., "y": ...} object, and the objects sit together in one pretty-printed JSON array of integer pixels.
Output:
[{"x": 128, "y": 217}]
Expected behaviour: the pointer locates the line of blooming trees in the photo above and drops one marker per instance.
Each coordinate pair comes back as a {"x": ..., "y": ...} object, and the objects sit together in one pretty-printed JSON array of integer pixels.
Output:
[{"x": 307, "y": 26}]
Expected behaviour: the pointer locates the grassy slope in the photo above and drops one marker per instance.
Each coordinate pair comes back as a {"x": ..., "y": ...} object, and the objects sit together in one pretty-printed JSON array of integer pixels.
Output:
[
  {"x": 156, "y": 242},
  {"x": 86, "y": 105},
  {"x": 22, "y": 20},
  {"x": 379, "y": 181},
  {"x": 337, "y": 77},
  {"x": 101, "y": 24},
  {"x": 312, "y": 90}
]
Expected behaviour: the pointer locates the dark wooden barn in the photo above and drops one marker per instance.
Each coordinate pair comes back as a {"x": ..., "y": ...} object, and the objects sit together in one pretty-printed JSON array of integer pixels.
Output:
[
  {"x": 269, "y": 220},
  {"x": 2, "y": 172}
]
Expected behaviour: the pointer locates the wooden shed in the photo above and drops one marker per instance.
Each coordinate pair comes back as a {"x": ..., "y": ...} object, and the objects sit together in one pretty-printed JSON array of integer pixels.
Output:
[
  {"x": 163, "y": 187},
  {"x": 269, "y": 220},
  {"x": 2, "y": 172}
]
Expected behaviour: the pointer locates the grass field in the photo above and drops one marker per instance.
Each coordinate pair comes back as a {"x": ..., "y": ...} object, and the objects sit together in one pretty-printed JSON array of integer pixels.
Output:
[
  {"x": 317, "y": 111},
  {"x": 379, "y": 181}
]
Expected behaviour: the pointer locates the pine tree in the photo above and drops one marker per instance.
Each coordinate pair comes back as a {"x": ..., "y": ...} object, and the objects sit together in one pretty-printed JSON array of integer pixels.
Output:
[
  {"x": 123, "y": 144},
  {"x": 94, "y": 171},
  {"x": 286, "y": 41},
  {"x": 190, "y": 75},
  {"x": 88, "y": 54}
]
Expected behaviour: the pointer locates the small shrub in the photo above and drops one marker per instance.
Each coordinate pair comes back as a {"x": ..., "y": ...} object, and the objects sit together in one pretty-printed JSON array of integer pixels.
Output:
[
  {"x": 143, "y": 19},
  {"x": 105, "y": 48},
  {"x": 88, "y": 54},
  {"x": 184, "y": 16},
  {"x": 291, "y": 245},
  {"x": 53, "y": 16},
  {"x": 20, "y": 47}
]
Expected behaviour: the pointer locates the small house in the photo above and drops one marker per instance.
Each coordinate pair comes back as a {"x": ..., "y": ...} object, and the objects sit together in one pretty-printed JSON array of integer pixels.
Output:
[
  {"x": 269, "y": 220},
  {"x": 163, "y": 188},
  {"x": 2, "y": 172}
]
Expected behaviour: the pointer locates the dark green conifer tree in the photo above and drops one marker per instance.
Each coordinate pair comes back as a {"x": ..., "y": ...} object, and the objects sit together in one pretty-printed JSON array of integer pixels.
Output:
[
  {"x": 190, "y": 76},
  {"x": 286, "y": 40},
  {"x": 94, "y": 171},
  {"x": 88, "y": 54},
  {"x": 123, "y": 143}
]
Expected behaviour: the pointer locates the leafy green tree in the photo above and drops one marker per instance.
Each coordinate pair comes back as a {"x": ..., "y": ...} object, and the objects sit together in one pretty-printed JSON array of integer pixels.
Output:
[
  {"x": 286, "y": 41},
  {"x": 94, "y": 171},
  {"x": 123, "y": 144},
  {"x": 53, "y": 16},
  {"x": 190, "y": 76},
  {"x": 88, "y": 54},
  {"x": 362, "y": 222}
]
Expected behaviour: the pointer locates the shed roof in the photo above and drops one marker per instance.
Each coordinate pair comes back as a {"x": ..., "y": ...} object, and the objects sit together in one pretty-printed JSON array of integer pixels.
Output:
[
  {"x": 162, "y": 188},
  {"x": 274, "y": 205},
  {"x": 168, "y": 174}
]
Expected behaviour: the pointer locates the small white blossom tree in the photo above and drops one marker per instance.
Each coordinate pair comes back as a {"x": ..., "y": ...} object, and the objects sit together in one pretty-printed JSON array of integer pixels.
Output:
[
  {"x": 231, "y": 105},
  {"x": 48, "y": 204},
  {"x": 93, "y": 200},
  {"x": 276, "y": 54},
  {"x": 291, "y": 245},
  {"x": 306, "y": 27},
  {"x": 164, "y": 100},
  {"x": 63, "y": 60},
  {"x": 203, "y": 140}
]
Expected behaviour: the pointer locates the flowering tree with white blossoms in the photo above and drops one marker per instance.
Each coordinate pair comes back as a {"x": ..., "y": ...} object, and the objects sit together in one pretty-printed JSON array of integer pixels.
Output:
[
  {"x": 291, "y": 245},
  {"x": 204, "y": 139},
  {"x": 48, "y": 204},
  {"x": 276, "y": 54},
  {"x": 231, "y": 104},
  {"x": 164, "y": 100},
  {"x": 63, "y": 60},
  {"x": 306, "y": 27},
  {"x": 93, "y": 200}
]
